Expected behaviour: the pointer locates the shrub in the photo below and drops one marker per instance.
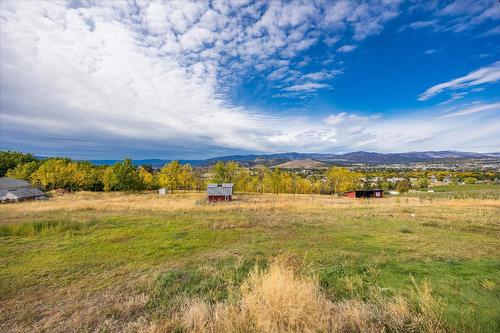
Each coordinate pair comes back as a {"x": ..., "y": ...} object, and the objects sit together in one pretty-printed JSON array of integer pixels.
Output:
[
  {"x": 279, "y": 301},
  {"x": 405, "y": 230}
]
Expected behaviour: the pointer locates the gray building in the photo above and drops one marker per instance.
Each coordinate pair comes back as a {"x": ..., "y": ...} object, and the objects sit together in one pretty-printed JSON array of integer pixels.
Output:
[
  {"x": 220, "y": 192},
  {"x": 13, "y": 190}
]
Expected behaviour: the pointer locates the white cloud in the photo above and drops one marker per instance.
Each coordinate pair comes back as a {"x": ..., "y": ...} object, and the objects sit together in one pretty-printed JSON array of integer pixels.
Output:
[
  {"x": 346, "y": 48},
  {"x": 484, "y": 75},
  {"x": 457, "y": 15},
  {"x": 331, "y": 40},
  {"x": 423, "y": 24},
  {"x": 472, "y": 110},
  {"x": 346, "y": 118},
  {"x": 322, "y": 75},
  {"x": 279, "y": 73},
  {"x": 311, "y": 86},
  {"x": 430, "y": 51}
]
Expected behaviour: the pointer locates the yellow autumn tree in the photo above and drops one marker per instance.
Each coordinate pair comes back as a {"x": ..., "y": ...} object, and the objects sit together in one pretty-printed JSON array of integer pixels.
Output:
[
  {"x": 169, "y": 176},
  {"x": 147, "y": 179},
  {"x": 186, "y": 177},
  {"x": 340, "y": 180}
]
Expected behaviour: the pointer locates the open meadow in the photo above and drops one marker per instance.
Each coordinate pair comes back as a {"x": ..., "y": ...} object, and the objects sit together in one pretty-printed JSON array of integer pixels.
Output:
[{"x": 269, "y": 263}]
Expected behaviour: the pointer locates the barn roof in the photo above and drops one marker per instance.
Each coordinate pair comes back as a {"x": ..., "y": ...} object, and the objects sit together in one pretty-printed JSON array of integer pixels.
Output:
[
  {"x": 220, "y": 189},
  {"x": 7, "y": 183},
  {"x": 20, "y": 193}
]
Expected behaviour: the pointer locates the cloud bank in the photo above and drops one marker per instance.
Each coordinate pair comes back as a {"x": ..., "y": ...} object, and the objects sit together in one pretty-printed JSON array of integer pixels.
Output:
[{"x": 152, "y": 79}]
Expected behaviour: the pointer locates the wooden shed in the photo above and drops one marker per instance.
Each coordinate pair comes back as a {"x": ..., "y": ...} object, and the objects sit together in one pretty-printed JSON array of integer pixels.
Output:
[
  {"x": 364, "y": 194},
  {"x": 220, "y": 192}
]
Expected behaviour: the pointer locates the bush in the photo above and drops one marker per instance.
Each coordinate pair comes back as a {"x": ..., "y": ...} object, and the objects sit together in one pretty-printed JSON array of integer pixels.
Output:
[
  {"x": 277, "y": 300},
  {"x": 405, "y": 230}
]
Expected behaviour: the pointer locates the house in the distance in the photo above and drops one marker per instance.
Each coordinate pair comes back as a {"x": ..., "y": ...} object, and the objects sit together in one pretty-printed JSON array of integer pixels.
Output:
[
  {"x": 364, "y": 194},
  {"x": 13, "y": 190},
  {"x": 220, "y": 192}
]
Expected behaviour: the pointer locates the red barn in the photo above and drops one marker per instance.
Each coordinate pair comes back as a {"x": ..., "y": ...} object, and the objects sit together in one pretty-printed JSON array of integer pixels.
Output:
[
  {"x": 220, "y": 192},
  {"x": 364, "y": 194}
]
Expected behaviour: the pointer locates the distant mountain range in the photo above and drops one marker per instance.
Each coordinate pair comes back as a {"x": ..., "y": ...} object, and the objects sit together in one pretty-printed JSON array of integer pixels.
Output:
[{"x": 348, "y": 158}]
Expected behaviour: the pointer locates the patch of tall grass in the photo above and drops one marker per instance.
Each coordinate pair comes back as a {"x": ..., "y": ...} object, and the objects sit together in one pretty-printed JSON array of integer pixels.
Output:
[
  {"x": 48, "y": 227},
  {"x": 279, "y": 300}
]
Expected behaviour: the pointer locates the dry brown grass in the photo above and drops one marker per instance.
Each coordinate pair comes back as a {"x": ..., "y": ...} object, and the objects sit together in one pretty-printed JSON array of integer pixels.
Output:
[
  {"x": 103, "y": 203},
  {"x": 278, "y": 300},
  {"x": 75, "y": 308}
]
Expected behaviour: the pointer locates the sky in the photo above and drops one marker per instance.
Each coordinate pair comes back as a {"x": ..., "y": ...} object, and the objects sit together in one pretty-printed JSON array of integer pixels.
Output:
[{"x": 198, "y": 79}]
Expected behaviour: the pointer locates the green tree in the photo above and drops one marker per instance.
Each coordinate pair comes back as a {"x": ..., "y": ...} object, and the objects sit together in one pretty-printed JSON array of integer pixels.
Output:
[
  {"x": 87, "y": 177},
  {"x": 126, "y": 177},
  {"x": 470, "y": 180},
  {"x": 386, "y": 186},
  {"x": 243, "y": 181},
  {"x": 225, "y": 172},
  {"x": 232, "y": 171},
  {"x": 403, "y": 186},
  {"x": 423, "y": 182},
  {"x": 10, "y": 160},
  {"x": 219, "y": 172}
]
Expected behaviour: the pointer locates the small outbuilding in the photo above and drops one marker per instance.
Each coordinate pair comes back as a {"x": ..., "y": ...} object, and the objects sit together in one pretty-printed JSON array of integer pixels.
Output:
[
  {"x": 220, "y": 192},
  {"x": 162, "y": 191},
  {"x": 14, "y": 190},
  {"x": 364, "y": 194}
]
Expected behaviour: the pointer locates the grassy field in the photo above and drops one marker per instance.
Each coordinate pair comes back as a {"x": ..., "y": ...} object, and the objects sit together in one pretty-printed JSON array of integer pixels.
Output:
[
  {"x": 140, "y": 262},
  {"x": 468, "y": 191}
]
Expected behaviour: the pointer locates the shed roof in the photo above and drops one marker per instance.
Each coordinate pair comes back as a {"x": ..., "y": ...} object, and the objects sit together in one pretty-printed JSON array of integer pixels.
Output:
[
  {"x": 20, "y": 193},
  {"x": 7, "y": 183},
  {"x": 220, "y": 189}
]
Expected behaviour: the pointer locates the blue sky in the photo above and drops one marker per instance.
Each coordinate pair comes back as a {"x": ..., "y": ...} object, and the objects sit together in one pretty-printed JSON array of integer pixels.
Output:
[{"x": 182, "y": 79}]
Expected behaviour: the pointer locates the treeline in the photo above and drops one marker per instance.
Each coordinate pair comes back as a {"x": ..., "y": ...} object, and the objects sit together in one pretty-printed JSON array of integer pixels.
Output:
[
  {"x": 63, "y": 173},
  {"x": 455, "y": 176},
  {"x": 263, "y": 179}
]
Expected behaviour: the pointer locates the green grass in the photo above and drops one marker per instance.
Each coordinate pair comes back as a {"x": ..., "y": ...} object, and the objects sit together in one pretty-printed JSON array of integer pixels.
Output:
[
  {"x": 467, "y": 191},
  {"x": 49, "y": 259}
]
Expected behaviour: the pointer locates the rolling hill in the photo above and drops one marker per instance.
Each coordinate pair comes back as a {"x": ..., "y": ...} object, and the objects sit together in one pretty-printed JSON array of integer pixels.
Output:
[{"x": 282, "y": 159}]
